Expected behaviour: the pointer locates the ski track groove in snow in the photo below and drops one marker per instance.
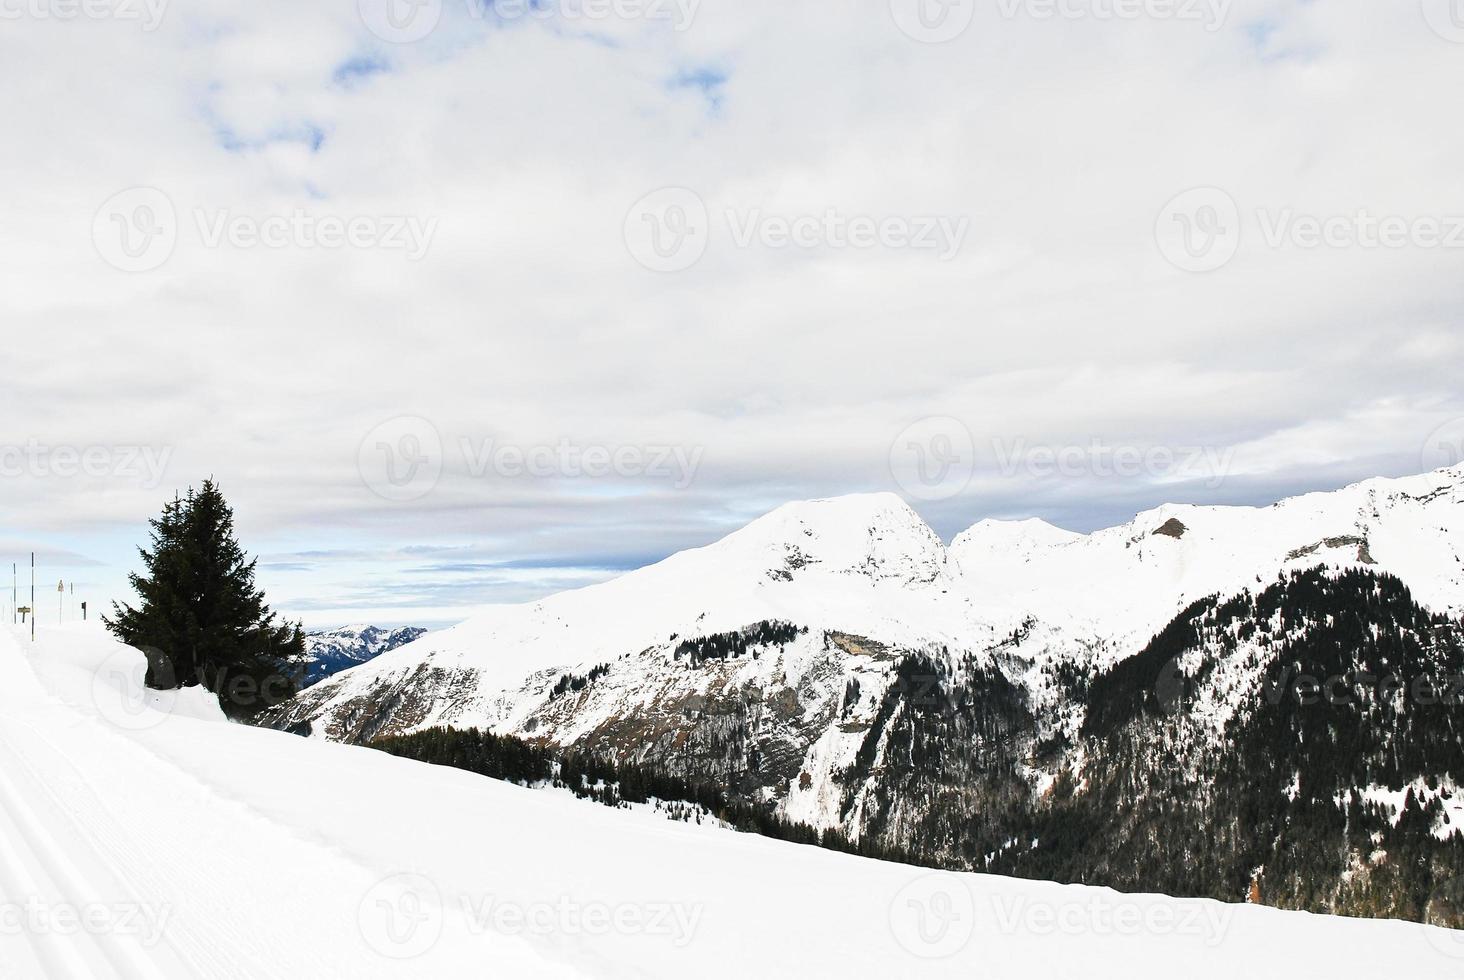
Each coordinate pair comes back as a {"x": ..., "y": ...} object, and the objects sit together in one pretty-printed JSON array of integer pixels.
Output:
[
  {"x": 23, "y": 876},
  {"x": 96, "y": 815},
  {"x": 111, "y": 838},
  {"x": 146, "y": 864},
  {"x": 266, "y": 847}
]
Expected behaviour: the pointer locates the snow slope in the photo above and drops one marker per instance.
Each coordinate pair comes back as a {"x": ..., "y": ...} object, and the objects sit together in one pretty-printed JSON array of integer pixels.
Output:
[
  {"x": 866, "y": 561},
  {"x": 868, "y": 565},
  {"x": 193, "y": 848}
]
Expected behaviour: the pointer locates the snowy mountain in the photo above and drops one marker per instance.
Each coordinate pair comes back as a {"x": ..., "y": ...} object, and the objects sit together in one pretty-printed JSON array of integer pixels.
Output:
[
  {"x": 329, "y": 652},
  {"x": 796, "y": 660},
  {"x": 119, "y": 807},
  {"x": 868, "y": 566}
]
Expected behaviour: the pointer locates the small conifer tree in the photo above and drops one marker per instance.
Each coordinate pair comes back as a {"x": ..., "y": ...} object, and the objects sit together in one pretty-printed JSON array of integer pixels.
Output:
[{"x": 200, "y": 617}]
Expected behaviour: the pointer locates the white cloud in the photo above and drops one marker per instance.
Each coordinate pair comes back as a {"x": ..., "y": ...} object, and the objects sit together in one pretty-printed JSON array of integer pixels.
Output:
[{"x": 791, "y": 369}]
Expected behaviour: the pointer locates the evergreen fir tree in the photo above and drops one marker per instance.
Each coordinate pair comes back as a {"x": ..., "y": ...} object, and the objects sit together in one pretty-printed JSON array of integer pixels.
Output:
[{"x": 201, "y": 619}]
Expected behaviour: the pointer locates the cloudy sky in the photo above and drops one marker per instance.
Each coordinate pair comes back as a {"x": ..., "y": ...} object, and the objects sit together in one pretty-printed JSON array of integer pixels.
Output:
[{"x": 466, "y": 302}]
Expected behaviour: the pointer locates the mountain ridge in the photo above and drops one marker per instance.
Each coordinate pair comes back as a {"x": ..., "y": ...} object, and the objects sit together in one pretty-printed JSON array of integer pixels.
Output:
[
  {"x": 823, "y": 562},
  {"x": 834, "y": 664},
  {"x": 328, "y": 652}
]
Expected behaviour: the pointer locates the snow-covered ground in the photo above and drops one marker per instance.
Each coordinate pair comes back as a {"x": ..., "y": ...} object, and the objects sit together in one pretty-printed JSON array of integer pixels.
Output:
[{"x": 146, "y": 837}]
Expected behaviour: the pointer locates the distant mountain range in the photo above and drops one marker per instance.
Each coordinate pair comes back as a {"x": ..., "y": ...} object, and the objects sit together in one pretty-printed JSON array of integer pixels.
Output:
[
  {"x": 328, "y": 652},
  {"x": 1236, "y": 702}
]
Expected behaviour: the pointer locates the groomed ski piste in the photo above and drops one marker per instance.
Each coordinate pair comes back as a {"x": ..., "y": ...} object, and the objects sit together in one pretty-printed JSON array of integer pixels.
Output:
[{"x": 143, "y": 836}]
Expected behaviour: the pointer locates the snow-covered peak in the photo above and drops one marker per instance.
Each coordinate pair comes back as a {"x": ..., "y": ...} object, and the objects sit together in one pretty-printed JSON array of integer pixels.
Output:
[
  {"x": 1018, "y": 539},
  {"x": 865, "y": 563},
  {"x": 876, "y": 535},
  {"x": 1125, "y": 581},
  {"x": 328, "y": 652}
]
